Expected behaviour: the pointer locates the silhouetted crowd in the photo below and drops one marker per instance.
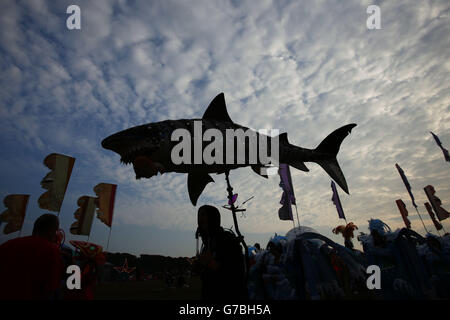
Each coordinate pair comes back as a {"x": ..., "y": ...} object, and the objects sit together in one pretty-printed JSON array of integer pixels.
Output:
[{"x": 302, "y": 265}]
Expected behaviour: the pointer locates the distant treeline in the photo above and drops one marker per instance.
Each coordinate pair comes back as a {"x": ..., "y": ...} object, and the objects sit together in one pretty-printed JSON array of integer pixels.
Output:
[{"x": 148, "y": 263}]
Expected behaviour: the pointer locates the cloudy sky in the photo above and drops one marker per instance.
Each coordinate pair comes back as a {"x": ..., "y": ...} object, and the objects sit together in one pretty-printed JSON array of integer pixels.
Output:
[{"x": 304, "y": 67}]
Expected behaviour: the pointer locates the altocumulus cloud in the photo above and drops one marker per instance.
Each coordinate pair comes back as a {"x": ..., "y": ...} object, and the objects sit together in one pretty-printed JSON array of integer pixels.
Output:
[{"x": 303, "y": 67}]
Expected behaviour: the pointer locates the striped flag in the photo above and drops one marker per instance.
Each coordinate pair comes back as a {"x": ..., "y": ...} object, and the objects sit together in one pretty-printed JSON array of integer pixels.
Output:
[
  {"x": 14, "y": 215},
  {"x": 406, "y": 182},
  {"x": 106, "y": 194},
  {"x": 337, "y": 201},
  {"x": 436, "y": 203},
  {"x": 433, "y": 218},
  {"x": 55, "y": 181},
  {"x": 444, "y": 151},
  {"x": 402, "y": 208},
  {"x": 84, "y": 216}
]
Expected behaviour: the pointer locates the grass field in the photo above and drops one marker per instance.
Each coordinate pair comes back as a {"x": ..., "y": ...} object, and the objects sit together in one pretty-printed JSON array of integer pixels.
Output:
[{"x": 147, "y": 290}]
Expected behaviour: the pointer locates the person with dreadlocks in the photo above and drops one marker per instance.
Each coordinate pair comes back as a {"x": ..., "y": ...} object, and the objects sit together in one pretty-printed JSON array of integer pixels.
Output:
[
  {"x": 221, "y": 260},
  {"x": 347, "y": 233}
]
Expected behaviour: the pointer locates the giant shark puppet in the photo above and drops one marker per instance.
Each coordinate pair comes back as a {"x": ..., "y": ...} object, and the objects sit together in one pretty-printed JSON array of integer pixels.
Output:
[{"x": 149, "y": 147}]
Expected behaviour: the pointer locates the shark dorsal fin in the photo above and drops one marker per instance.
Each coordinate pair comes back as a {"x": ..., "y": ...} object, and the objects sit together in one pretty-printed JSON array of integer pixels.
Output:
[
  {"x": 283, "y": 138},
  {"x": 217, "y": 110}
]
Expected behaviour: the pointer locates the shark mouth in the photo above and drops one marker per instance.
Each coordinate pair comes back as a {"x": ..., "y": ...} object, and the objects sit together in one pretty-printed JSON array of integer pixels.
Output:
[{"x": 143, "y": 164}]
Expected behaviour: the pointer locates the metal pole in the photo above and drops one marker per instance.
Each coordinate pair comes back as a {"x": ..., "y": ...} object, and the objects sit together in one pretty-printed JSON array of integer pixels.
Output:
[
  {"x": 298, "y": 221},
  {"x": 109, "y": 236},
  {"x": 421, "y": 220},
  {"x": 240, "y": 237}
]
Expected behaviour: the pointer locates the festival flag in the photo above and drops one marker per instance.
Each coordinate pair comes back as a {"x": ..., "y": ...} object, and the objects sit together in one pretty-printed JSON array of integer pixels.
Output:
[
  {"x": 288, "y": 197},
  {"x": 84, "y": 216},
  {"x": 14, "y": 215},
  {"x": 286, "y": 181},
  {"x": 55, "y": 181},
  {"x": 444, "y": 151},
  {"x": 433, "y": 218},
  {"x": 106, "y": 194},
  {"x": 406, "y": 182},
  {"x": 285, "y": 212},
  {"x": 436, "y": 203},
  {"x": 337, "y": 201},
  {"x": 402, "y": 208}
]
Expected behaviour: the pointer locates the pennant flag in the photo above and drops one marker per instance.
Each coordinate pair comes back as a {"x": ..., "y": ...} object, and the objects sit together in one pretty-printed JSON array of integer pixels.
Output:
[
  {"x": 286, "y": 181},
  {"x": 402, "y": 208},
  {"x": 106, "y": 194},
  {"x": 55, "y": 181},
  {"x": 406, "y": 182},
  {"x": 285, "y": 212},
  {"x": 436, "y": 203},
  {"x": 337, "y": 201},
  {"x": 444, "y": 151},
  {"x": 14, "y": 215},
  {"x": 433, "y": 218},
  {"x": 84, "y": 216},
  {"x": 288, "y": 197}
]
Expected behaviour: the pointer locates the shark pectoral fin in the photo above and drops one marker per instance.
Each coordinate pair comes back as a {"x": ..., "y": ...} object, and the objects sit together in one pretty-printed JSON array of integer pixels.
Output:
[
  {"x": 196, "y": 184},
  {"x": 299, "y": 166},
  {"x": 257, "y": 170}
]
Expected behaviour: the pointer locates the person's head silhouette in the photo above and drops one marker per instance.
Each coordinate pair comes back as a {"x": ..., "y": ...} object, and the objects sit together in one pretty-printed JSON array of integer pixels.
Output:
[
  {"x": 208, "y": 220},
  {"x": 46, "y": 227}
]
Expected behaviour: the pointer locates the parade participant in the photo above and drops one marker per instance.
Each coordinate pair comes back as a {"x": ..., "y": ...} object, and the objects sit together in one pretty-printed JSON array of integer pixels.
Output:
[
  {"x": 275, "y": 283},
  {"x": 347, "y": 233},
  {"x": 31, "y": 266},
  {"x": 221, "y": 261}
]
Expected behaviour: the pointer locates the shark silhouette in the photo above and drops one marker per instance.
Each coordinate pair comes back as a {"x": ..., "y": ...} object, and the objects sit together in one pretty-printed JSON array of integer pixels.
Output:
[{"x": 149, "y": 148}]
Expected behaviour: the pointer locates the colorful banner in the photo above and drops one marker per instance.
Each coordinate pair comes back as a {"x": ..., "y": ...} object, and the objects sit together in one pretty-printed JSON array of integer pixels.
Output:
[
  {"x": 406, "y": 182},
  {"x": 337, "y": 201},
  {"x": 436, "y": 223},
  {"x": 288, "y": 197},
  {"x": 444, "y": 151},
  {"x": 14, "y": 215},
  {"x": 106, "y": 194},
  {"x": 436, "y": 203},
  {"x": 84, "y": 216},
  {"x": 402, "y": 208},
  {"x": 55, "y": 181}
]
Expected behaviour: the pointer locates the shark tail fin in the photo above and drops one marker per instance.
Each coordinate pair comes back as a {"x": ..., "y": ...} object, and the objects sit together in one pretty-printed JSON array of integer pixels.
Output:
[{"x": 330, "y": 145}]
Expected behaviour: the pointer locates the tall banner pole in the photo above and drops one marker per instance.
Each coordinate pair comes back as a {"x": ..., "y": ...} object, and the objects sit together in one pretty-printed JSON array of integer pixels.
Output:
[
  {"x": 421, "y": 220},
  {"x": 298, "y": 221},
  {"x": 240, "y": 237},
  {"x": 109, "y": 236}
]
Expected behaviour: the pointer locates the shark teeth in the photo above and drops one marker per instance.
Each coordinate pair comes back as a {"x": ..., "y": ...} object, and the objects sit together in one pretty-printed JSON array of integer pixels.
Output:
[{"x": 141, "y": 149}]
